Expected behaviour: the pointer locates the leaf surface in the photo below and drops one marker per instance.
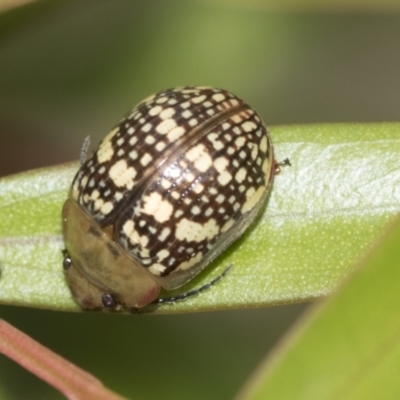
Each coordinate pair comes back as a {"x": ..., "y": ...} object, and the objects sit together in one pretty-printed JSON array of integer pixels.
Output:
[{"x": 323, "y": 212}]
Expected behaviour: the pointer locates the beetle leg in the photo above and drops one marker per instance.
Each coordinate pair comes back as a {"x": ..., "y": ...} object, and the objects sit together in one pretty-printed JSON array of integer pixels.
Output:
[
  {"x": 279, "y": 164},
  {"x": 84, "y": 149}
]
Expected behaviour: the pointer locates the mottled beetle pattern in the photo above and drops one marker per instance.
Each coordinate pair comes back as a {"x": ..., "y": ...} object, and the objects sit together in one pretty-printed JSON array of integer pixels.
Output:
[{"x": 167, "y": 190}]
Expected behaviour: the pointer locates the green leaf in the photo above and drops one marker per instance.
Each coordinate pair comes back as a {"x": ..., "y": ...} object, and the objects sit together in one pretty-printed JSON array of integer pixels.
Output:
[
  {"x": 322, "y": 214},
  {"x": 30, "y": 238},
  {"x": 347, "y": 348}
]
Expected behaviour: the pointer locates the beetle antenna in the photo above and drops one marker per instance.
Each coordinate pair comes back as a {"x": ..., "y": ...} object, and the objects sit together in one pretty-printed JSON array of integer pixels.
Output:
[{"x": 193, "y": 292}]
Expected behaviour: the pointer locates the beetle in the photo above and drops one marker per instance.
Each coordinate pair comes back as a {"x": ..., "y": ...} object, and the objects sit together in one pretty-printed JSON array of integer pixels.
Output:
[{"x": 176, "y": 182}]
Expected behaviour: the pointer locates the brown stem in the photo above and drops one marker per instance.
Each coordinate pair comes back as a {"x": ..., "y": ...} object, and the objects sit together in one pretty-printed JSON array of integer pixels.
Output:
[{"x": 73, "y": 382}]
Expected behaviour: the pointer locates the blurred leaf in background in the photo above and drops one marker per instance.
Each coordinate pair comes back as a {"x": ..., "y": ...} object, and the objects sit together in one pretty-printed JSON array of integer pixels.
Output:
[
  {"x": 348, "y": 347},
  {"x": 73, "y": 68}
]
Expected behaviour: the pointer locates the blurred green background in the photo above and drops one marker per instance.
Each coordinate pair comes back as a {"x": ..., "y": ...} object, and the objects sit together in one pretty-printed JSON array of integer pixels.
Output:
[{"x": 69, "y": 69}]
